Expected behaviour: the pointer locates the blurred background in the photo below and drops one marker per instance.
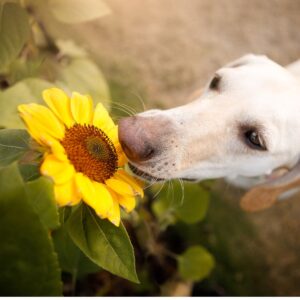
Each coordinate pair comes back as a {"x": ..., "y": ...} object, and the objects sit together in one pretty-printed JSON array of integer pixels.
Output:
[
  {"x": 170, "y": 48},
  {"x": 158, "y": 52}
]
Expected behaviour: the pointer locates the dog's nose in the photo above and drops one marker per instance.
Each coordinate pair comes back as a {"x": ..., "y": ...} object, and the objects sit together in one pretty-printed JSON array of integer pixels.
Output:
[{"x": 136, "y": 138}]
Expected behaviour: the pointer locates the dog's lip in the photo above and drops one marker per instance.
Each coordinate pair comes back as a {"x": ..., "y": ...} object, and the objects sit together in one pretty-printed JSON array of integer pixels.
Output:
[
  {"x": 149, "y": 177},
  {"x": 189, "y": 179},
  {"x": 143, "y": 174}
]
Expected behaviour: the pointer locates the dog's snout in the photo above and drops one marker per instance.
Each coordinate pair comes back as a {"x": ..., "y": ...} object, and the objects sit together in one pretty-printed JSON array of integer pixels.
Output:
[{"x": 136, "y": 141}]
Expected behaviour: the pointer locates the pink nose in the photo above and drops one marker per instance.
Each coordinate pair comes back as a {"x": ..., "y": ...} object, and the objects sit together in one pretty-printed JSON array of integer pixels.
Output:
[{"x": 137, "y": 138}]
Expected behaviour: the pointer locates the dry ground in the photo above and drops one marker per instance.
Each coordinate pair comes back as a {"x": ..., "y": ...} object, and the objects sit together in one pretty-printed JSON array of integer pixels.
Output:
[{"x": 169, "y": 48}]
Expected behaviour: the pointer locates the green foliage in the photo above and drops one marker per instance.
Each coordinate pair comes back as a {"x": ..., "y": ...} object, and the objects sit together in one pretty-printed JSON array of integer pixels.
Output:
[
  {"x": 188, "y": 204},
  {"x": 71, "y": 258},
  {"x": 242, "y": 262},
  {"x": 195, "y": 263},
  {"x": 105, "y": 244},
  {"x": 23, "y": 68},
  {"x": 29, "y": 265},
  {"x": 14, "y": 32},
  {"x": 75, "y": 11},
  {"x": 83, "y": 76},
  {"x": 41, "y": 195},
  {"x": 37, "y": 243},
  {"x": 30, "y": 171},
  {"x": 28, "y": 261},
  {"x": 79, "y": 75},
  {"x": 70, "y": 49},
  {"x": 195, "y": 207},
  {"x": 14, "y": 143}
]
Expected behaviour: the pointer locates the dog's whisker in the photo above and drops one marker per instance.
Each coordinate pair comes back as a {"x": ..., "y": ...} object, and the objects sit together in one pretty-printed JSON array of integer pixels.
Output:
[
  {"x": 141, "y": 101},
  {"x": 157, "y": 193},
  {"x": 151, "y": 183},
  {"x": 123, "y": 110},
  {"x": 222, "y": 138},
  {"x": 120, "y": 106},
  {"x": 125, "y": 106},
  {"x": 110, "y": 103},
  {"x": 169, "y": 188},
  {"x": 173, "y": 199},
  {"x": 182, "y": 190}
]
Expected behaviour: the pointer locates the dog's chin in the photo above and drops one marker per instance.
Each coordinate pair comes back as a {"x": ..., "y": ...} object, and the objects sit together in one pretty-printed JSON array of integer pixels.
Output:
[{"x": 144, "y": 175}]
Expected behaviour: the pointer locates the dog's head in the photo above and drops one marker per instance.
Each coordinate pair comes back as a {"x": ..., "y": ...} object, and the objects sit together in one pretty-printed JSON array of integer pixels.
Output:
[{"x": 245, "y": 123}]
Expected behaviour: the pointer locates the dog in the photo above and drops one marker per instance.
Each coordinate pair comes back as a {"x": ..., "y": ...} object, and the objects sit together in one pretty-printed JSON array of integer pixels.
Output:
[{"x": 245, "y": 127}]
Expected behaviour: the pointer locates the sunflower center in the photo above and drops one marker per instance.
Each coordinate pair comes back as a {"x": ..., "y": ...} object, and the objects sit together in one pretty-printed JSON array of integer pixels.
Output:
[{"x": 90, "y": 151}]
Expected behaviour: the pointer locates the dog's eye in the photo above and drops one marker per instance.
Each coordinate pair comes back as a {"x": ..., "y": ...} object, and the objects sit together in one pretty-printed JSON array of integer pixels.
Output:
[
  {"x": 254, "y": 140},
  {"x": 215, "y": 82}
]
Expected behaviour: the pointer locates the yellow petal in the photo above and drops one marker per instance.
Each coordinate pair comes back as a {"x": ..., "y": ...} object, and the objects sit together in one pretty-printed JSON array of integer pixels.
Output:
[
  {"x": 122, "y": 175},
  {"x": 59, "y": 103},
  {"x": 40, "y": 118},
  {"x": 112, "y": 133},
  {"x": 127, "y": 202},
  {"x": 59, "y": 171},
  {"x": 82, "y": 108},
  {"x": 34, "y": 132},
  {"x": 55, "y": 146},
  {"x": 57, "y": 149},
  {"x": 115, "y": 214},
  {"x": 120, "y": 186},
  {"x": 122, "y": 159},
  {"x": 44, "y": 138},
  {"x": 95, "y": 195},
  {"x": 118, "y": 147},
  {"x": 103, "y": 198},
  {"x": 102, "y": 119},
  {"x": 67, "y": 193}
]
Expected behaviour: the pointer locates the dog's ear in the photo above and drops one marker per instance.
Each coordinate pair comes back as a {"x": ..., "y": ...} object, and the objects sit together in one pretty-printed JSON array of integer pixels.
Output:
[{"x": 265, "y": 195}]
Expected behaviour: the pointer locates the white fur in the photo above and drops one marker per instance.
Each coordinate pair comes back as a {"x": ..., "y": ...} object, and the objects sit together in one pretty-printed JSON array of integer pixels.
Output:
[{"x": 205, "y": 131}]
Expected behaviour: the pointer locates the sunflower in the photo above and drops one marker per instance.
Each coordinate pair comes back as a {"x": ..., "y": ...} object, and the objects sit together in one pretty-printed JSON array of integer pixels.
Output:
[{"x": 82, "y": 153}]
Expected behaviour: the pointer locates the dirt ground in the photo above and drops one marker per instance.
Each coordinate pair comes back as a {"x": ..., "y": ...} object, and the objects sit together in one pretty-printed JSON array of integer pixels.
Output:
[{"x": 165, "y": 49}]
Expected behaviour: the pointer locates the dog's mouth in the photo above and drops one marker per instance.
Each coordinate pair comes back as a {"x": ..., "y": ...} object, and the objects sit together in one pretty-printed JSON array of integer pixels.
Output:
[
  {"x": 143, "y": 174},
  {"x": 146, "y": 176}
]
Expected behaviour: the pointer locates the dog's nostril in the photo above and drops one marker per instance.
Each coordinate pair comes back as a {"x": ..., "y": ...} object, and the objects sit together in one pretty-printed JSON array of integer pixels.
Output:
[{"x": 149, "y": 152}]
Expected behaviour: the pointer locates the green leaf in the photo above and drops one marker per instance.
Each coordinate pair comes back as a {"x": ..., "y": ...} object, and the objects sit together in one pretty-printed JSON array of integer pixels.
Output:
[
  {"x": 196, "y": 263},
  {"x": 71, "y": 258},
  {"x": 26, "y": 91},
  {"x": 86, "y": 266},
  {"x": 14, "y": 32},
  {"x": 14, "y": 143},
  {"x": 41, "y": 196},
  {"x": 83, "y": 76},
  {"x": 195, "y": 204},
  {"x": 22, "y": 68},
  {"x": 70, "y": 48},
  {"x": 75, "y": 11},
  {"x": 29, "y": 265},
  {"x": 30, "y": 171},
  {"x": 105, "y": 244},
  {"x": 189, "y": 204}
]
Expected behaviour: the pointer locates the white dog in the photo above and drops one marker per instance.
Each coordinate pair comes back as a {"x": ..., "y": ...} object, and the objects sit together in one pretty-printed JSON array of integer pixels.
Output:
[{"x": 245, "y": 127}]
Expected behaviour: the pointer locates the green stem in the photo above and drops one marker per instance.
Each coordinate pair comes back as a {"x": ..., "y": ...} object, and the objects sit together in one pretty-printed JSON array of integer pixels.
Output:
[{"x": 74, "y": 280}]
